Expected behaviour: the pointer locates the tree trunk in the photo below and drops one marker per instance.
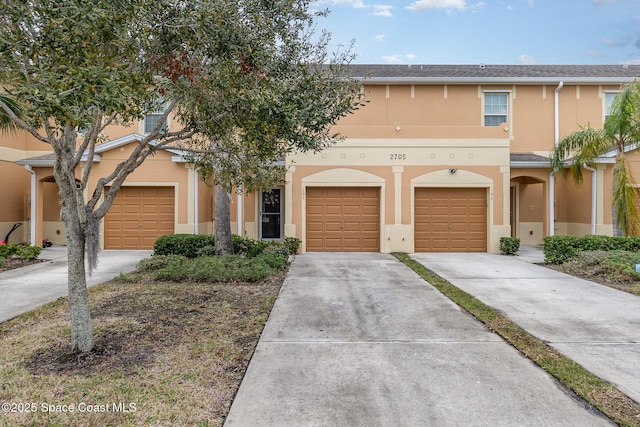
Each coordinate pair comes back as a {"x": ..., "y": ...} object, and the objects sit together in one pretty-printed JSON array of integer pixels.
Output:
[
  {"x": 74, "y": 216},
  {"x": 224, "y": 244},
  {"x": 81, "y": 326},
  {"x": 614, "y": 208}
]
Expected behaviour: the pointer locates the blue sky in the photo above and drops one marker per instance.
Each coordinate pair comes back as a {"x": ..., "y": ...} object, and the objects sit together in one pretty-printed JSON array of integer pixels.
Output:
[{"x": 486, "y": 31}]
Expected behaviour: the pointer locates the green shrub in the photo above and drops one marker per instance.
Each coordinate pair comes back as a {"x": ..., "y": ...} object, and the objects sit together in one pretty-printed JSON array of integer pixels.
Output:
[
  {"x": 207, "y": 251},
  {"x": 157, "y": 262},
  {"x": 292, "y": 244},
  {"x": 275, "y": 257},
  {"x": 2, "y": 260},
  {"x": 28, "y": 252},
  {"x": 560, "y": 249},
  {"x": 8, "y": 251},
  {"x": 278, "y": 248},
  {"x": 18, "y": 250},
  {"x": 182, "y": 244},
  {"x": 509, "y": 245},
  {"x": 192, "y": 257},
  {"x": 247, "y": 246},
  {"x": 225, "y": 268}
]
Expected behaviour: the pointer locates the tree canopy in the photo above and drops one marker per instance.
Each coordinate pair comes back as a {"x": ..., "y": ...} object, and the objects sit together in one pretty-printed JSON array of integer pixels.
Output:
[{"x": 247, "y": 81}]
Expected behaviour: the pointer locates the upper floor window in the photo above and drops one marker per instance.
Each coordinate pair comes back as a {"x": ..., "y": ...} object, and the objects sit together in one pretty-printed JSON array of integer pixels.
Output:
[
  {"x": 151, "y": 120},
  {"x": 608, "y": 100},
  {"x": 496, "y": 108}
]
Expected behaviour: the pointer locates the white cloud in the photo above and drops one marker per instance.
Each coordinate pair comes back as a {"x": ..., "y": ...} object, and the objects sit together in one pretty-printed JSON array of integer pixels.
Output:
[
  {"x": 449, "y": 5},
  {"x": 380, "y": 38},
  {"x": 633, "y": 62},
  {"x": 382, "y": 10},
  {"x": 526, "y": 59},
  {"x": 595, "y": 54},
  {"x": 398, "y": 58},
  {"x": 357, "y": 4},
  {"x": 393, "y": 59},
  {"x": 614, "y": 43}
]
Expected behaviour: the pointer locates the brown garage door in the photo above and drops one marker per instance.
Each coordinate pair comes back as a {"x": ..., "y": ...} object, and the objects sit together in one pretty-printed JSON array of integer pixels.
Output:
[
  {"x": 450, "y": 220},
  {"x": 138, "y": 216},
  {"x": 343, "y": 219}
]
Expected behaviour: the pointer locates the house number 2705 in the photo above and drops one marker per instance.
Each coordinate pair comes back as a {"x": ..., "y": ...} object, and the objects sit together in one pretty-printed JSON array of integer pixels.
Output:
[{"x": 396, "y": 156}]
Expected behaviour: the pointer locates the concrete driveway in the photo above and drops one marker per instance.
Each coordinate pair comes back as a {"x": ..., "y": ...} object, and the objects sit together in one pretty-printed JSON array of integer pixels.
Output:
[
  {"x": 596, "y": 326},
  {"x": 358, "y": 339},
  {"x": 26, "y": 288}
]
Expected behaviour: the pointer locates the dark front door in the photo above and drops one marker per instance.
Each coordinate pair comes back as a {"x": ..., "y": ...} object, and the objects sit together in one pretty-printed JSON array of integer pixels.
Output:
[{"x": 271, "y": 214}]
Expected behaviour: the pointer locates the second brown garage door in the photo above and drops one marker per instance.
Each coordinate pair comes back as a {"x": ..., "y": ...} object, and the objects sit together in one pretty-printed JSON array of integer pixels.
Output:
[
  {"x": 138, "y": 216},
  {"x": 343, "y": 219},
  {"x": 450, "y": 220}
]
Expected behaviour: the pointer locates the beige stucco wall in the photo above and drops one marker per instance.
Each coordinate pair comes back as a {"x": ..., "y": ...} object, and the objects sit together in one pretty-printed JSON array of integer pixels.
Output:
[
  {"x": 406, "y": 135},
  {"x": 397, "y": 166}
]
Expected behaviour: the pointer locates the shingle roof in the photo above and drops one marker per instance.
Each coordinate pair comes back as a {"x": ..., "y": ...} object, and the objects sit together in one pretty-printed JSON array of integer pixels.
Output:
[
  {"x": 479, "y": 72},
  {"x": 528, "y": 157}
]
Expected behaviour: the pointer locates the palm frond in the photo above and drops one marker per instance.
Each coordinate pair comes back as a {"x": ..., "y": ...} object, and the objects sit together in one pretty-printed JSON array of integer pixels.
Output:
[
  {"x": 625, "y": 198},
  {"x": 623, "y": 120},
  {"x": 6, "y": 123},
  {"x": 580, "y": 147}
]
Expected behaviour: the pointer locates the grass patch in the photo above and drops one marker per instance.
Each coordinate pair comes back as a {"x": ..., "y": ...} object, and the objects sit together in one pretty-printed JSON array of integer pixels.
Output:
[
  {"x": 167, "y": 353},
  {"x": 599, "y": 393}
]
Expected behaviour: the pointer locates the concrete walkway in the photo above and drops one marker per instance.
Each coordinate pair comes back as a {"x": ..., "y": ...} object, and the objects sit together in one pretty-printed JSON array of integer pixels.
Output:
[
  {"x": 361, "y": 340},
  {"x": 29, "y": 287},
  {"x": 596, "y": 326}
]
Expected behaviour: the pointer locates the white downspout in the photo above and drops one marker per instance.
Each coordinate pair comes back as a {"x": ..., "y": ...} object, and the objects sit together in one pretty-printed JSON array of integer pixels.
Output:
[
  {"x": 196, "y": 218},
  {"x": 240, "y": 211},
  {"x": 552, "y": 189},
  {"x": 556, "y": 138},
  {"x": 32, "y": 223},
  {"x": 556, "y": 112},
  {"x": 594, "y": 203}
]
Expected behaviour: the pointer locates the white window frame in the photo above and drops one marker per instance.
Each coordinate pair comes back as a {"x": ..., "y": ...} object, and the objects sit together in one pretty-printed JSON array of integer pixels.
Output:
[
  {"x": 607, "y": 105},
  {"x": 156, "y": 113},
  {"x": 485, "y": 114}
]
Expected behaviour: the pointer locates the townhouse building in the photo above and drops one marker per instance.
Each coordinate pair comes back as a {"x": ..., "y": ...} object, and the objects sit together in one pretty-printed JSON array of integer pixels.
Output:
[{"x": 442, "y": 158}]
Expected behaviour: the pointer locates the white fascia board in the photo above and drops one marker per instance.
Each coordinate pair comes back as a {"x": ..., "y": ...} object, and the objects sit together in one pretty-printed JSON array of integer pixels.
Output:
[
  {"x": 118, "y": 142},
  {"x": 127, "y": 139},
  {"x": 605, "y": 160},
  {"x": 494, "y": 80},
  {"x": 521, "y": 165},
  {"x": 36, "y": 162},
  {"x": 42, "y": 163}
]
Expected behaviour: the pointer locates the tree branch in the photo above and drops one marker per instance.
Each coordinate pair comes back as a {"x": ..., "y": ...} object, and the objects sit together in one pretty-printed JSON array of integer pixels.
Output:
[{"x": 22, "y": 124}]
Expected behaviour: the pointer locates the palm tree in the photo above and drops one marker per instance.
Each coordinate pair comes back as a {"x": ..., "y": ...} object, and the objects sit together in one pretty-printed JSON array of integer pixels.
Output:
[
  {"x": 621, "y": 130},
  {"x": 6, "y": 123}
]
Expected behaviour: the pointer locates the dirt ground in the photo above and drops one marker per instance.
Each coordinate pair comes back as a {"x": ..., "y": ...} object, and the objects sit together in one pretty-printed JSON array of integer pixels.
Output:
[
  {"x": 631, "y": 286},
  {"x": 13, "y": 263},
  {"x": 177, "y": 350}
]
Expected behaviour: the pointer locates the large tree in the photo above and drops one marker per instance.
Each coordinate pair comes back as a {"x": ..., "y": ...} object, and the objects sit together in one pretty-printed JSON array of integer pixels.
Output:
[
  {"x": 284, "y": 106},
  {"x": 286, "y": 95},
  {"x": 621, "y": 130},
  {"x": 93, "y": 63}
]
